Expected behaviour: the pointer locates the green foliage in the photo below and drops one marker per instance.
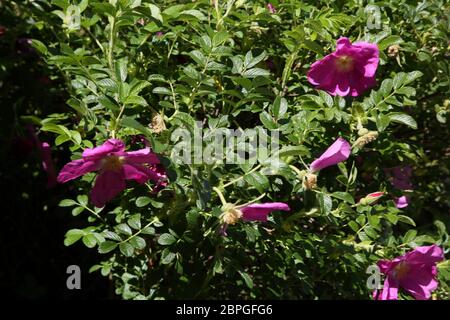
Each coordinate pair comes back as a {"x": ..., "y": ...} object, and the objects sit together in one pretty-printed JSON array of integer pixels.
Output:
[{"x": 233, "y": 64}]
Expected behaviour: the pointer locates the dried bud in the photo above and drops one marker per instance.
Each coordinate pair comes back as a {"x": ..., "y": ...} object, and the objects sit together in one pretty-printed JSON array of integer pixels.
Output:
[
  {"x": 393, "y": 50},
  {"x": 362, "y": 131},
  {"x": 158, "y": 124},
  {"x": 310, "y": 181},
  {"x": 366, "y": 138}
]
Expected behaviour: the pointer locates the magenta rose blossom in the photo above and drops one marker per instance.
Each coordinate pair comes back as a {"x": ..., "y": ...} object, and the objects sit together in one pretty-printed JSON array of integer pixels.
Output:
[
  {"x": 271, "y": 8},
  {"x": 339, "y": 151},
  {"x": 401, "y": 202},
  {"x": 115, "y": 166},
  {"x": 400, "y": 177},
  {"x": 415, "y": 272},
  {"x": 251, "y": 212},
  {"x": 350, "y": 70},
  {"x": 260, "y": 211}
]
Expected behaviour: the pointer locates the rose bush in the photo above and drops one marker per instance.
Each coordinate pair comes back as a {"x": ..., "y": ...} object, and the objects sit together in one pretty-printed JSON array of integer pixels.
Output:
[{"x": 357, "y": 95}]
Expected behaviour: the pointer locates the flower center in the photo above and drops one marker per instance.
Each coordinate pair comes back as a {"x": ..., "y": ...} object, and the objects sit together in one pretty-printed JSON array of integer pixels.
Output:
[
  {"x": 401, "y": 270},
  {"x": 231, "y": 216},
  {"x": 344, "y": 63},
  {"x": 112, "y": 163}
]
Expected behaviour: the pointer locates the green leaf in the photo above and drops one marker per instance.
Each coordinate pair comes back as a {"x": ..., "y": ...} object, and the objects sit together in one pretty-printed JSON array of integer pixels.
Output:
[
  {"x": 409, "y": 236},
  {"x": 406, "y": 219},
  {"x": 166, "y": 239},
  {"x": 248, "y": 281},
  {"x": 267, "y": 120},
  {"x": 347, "y": 197},
  {"x": 287, "y": 151},
  {"x": 124, "y": 228},
  {"x": 389, "y": 41},
  {"x": 403, "y": 118},
  {"x": 353, "y": 225},
  {"x": 162, "y": 90},
  {"x": 136, "y": 100},
  {"x": 219, "y": 38},
  {"x": 77, "y": 210},
  {"x": 279, "y": 107},
  {"x": 111, "y": 235},
  {"x": 142, "y": 201},
  {"x": 411, "y": 76},
  {"x": 67, "y": 203},
  {"x": 251, "y": 73},
  {"x": 135, "y": 221},
  {"x": 138, "y": 243},
  {"x": 39, "y": 46},
  {"x": 73, "y": 236},
  {"x": 107, "y": 246},
  {"x": 126, "y": 249},
  {"x": 167, "y": 256},
  {"x": 134, "y": 124},
  {"x": 148, "y": 230},
  {"x": 325, "y": 203},
  {"x": 121, "y": 70},
  {"x": 155, "y": 12},
  {"x": 89, "y": 240},
  {"x": 258, "y": 181}
]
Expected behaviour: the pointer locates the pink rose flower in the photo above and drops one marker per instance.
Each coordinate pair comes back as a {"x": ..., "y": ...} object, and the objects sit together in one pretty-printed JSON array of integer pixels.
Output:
[
  {"x": 415, "y": 272},
  {"x": 401, "y": 202},
  {"x": 339, "y": 151},
  {"x": 115, "y": 166},
  {"x": 260, "y": 211},
  {"x": 400, "y": 177},
  {"x": 271, "y": 8},
  {"x": 251, "y": 212},
  {"x": 350, "y": 70}
]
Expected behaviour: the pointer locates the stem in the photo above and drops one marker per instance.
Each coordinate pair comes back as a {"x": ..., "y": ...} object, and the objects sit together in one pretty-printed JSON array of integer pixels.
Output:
[
  {"x": 111, "y": 45},
  {"x": 241, "y": 177},
  {"x": 173, "y": 97},
  {"x": 253, "y": 201},
  {"x": 219, "y": 193},
  {"x": 93, "y": 212},
  {"x": 134, "y": 235},
  {"x": 116, "y": 124},
  {"x": 296, "y": 170}
]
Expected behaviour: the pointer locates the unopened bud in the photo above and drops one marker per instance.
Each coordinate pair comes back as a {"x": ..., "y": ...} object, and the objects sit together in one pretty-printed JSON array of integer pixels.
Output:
[
  {"x": 371, "y": 198},
  {"x": 366, "y": 138}
]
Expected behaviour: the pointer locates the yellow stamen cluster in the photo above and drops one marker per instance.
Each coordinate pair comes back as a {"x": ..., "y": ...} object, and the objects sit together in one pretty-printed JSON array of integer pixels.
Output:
[
  {"x": 310, "y": 181},
  {"x": 344, "y": 63},
  {"x": 401, "y": 270},
  {"x": 112, "y": 163},
  {"x": 231, "y": 216}
]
